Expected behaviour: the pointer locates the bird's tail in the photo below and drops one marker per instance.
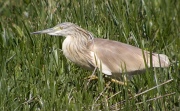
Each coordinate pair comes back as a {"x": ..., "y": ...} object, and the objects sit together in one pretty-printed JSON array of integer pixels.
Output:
[{"x": 160, "y": 60}]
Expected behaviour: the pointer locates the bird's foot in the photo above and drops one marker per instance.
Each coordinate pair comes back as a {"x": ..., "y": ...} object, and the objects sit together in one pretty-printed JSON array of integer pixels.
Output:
[
  {"x": 91, "y": 77},
  {"x": 94, "y": 77},
  {"x": 119, "y": 82}
]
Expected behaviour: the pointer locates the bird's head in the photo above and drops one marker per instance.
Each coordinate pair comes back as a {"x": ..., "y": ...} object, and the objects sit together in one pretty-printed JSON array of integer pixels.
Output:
[{"x": 62, "y": 29}]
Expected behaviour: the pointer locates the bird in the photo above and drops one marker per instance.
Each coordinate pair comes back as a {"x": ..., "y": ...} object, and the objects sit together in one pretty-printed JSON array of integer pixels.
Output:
[{"x": 112, "y": 58}]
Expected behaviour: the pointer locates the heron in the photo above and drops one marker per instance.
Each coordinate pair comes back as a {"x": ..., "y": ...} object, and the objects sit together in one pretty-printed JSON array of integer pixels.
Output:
[{"x": 111, "y": 57}]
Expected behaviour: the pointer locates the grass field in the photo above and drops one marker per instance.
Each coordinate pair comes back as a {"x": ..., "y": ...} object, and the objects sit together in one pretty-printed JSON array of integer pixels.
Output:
[{"x": 35, "y": 75}]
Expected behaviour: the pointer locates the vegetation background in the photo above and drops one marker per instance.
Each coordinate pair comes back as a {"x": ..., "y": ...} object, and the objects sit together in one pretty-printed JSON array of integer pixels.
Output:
[{"x": 34, "y": 74}]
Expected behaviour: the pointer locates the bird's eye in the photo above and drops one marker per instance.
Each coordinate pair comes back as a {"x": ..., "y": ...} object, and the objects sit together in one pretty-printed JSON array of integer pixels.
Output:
[{"x": 58, "y": 28}]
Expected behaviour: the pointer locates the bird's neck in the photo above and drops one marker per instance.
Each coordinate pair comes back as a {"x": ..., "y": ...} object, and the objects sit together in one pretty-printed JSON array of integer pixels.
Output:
[
  {"x": 74, "y": 43},
  {"x": 76, "y": 50},
  {"x": 78, "y": 41}
]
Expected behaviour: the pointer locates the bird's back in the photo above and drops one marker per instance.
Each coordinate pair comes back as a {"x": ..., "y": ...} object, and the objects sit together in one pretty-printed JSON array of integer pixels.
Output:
[{"x": 117, "y": 57}]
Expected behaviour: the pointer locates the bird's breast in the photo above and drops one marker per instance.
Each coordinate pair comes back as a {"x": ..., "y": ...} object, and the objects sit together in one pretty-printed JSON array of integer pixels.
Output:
[{"x": 76, "y": 52}]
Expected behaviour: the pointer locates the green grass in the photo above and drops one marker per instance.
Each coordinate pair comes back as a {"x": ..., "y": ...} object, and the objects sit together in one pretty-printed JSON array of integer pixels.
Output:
[{"x": 36, "y": 76}]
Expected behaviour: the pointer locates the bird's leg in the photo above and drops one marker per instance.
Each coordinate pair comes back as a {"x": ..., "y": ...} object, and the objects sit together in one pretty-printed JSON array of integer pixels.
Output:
[
  {"x": 92, "y": 76},
  {"x": 121, "y": 82},
  {"x": 117, "y": 81}
]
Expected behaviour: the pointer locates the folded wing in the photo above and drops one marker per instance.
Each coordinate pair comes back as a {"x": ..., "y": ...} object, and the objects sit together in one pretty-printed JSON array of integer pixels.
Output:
[{"x": 116, "y": 57}]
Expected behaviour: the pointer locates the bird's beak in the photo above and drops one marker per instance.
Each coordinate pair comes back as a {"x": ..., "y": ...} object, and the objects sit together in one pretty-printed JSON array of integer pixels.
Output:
[{"x": 50, "y": 31}]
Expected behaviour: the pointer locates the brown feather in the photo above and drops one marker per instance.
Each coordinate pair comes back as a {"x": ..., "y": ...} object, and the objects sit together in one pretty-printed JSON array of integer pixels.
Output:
[
  {"x": 112, "y": 57},
  {"x": 120, "y": 57}
]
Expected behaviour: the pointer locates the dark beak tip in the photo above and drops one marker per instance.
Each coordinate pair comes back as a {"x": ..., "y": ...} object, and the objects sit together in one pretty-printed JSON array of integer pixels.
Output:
[{"x": 34, "y": 33}]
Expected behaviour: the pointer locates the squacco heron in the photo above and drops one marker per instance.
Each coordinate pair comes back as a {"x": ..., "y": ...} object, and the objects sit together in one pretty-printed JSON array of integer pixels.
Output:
[{"x": 111, "y": 57}]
